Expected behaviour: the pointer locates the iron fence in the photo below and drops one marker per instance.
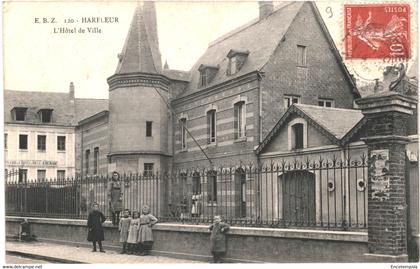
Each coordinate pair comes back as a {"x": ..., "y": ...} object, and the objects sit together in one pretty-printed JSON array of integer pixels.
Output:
[{"x": 318, "y": 194}]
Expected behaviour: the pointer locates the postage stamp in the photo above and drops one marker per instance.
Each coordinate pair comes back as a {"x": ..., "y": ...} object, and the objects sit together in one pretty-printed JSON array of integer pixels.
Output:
[{"x": 377, "y": 31}]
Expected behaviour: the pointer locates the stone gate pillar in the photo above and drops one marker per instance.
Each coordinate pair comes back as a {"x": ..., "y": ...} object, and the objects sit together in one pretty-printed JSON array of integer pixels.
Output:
[{"x": 386, "y": 137}]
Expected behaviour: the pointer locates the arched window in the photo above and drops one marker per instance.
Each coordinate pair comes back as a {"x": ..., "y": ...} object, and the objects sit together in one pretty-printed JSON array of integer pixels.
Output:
[
  {"x": 297, "y": 133},
  {"x": 211, "y": 126},
  {"x": 239, "y": 119}
]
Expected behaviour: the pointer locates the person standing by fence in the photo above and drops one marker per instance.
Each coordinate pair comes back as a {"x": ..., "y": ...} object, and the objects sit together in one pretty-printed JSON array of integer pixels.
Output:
[
  {"x": 94, "y": 223},
  {"x": 133, "y": 233},
  {"x": 218, "y": 238},
  {"x": 115, "y": 197},
  {"x": 147, "y": 221},
  {"x": 123, "y": 228}
]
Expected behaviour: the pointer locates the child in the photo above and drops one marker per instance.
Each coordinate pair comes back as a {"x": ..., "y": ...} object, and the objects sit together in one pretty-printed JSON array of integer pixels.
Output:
[
  {"x": 25, "y": 231},
  {"x": 94, "y": 223},
  {"x": 133, "y": 232},
  {"x": 147, "y": 221},
  {"x": 218, "y": 238},
  {"x": 123, "y": 228}
]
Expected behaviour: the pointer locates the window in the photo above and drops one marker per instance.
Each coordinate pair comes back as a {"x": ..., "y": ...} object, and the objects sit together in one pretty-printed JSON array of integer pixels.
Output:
[
  {"x": 149, "y": 128},
  {"x": 5, "y": 141},
  {"x": 183, "y": 124},
  {"x": 148, "y": 169},
  {"x": 289, "y": 100},
  {"x": 42, "y": 139},
  {"x": 95, "y": 160},
  {"x": 196, "y": 183},
  {"x": 211, "y": 126},
  {"x": 23, "y": 175},
  {"x": 297, "y": 130},
  {"x": 61, "y": 175},
  {"x": 203, "y": 78},
  {"x": 40, "y": 175},
  {"x": 20, "y": 113},
  {"x": 23, "y": 141},
  {"x": 45, "y": 115},
  {"x": 87, "y": 156},
  {"x": 239, "y": 120},
  {"x": 212, "y": 186},
  {"x": 61, "y": 143},
  {"x": 301, "y": 56},
  {"x": 326, "y": 102},
  {"x": 233, "y": 63}
]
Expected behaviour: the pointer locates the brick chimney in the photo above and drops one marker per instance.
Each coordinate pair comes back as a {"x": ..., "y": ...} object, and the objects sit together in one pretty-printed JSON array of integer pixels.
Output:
[
  {"x": 71, "y": 91},
  {"x": 266, "y": 8}
]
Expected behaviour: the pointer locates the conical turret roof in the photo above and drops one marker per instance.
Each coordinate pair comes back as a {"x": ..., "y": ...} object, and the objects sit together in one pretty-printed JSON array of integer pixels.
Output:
[{"x": 141, "y": 49}]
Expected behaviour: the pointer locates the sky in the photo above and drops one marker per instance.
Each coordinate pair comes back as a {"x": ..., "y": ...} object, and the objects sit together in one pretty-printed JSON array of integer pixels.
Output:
[{"x": 37, "y": 59}]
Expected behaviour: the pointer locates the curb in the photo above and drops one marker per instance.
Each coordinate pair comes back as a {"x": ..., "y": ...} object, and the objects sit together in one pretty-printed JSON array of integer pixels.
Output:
[{"x": 41, "y": 257}]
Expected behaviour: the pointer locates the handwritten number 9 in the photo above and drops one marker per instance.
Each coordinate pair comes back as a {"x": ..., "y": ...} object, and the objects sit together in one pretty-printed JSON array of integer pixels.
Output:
[{"x": 329, "y": 11}]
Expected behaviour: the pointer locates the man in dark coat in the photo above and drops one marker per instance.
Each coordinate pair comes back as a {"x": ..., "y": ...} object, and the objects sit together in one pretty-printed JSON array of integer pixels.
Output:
[
  {"x": 94, "y": 223},
  {"x": 218, "y": 238}
]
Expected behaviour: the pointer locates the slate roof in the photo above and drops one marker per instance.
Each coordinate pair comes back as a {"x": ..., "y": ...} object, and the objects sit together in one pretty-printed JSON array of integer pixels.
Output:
[
  {"x": 141, "y": 48},
  {"x": 86, "y": 108},
  {"x": 259, "y": 37},
  {"x": 63, "y": 109},
  {"x": 336, "y": 123},
  {"x": 176, "y": 74}
]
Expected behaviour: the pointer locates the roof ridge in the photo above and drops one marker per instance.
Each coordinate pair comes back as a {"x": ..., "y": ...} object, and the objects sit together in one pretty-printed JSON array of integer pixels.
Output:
[{"x": 246, "y": 26}]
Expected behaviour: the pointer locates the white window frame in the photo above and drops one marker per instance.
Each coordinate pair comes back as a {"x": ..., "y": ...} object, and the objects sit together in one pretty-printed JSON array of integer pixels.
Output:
[
  {"x": 291, "y": 135},
  {"x": 212, "y": 128},
  {"x": 324, "y": 102},
  {"x": 233, "y": 65},
  {"x": 240, "y": 130}
]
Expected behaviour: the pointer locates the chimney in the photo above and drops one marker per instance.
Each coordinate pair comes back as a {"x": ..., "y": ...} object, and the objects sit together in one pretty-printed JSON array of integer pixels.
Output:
[
  {"x": 71, "y": 91},
  {"x": 266, "y": 8}
]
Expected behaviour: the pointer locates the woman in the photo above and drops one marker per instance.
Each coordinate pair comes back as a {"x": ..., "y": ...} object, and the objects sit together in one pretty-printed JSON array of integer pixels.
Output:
[
  {"x": 94, "y": 223},
  {"x": 115, "y": 197}
]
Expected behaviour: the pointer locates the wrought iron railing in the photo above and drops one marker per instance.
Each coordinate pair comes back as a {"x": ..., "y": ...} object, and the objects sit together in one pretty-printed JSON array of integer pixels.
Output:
[{"x": 318, "y": 194}]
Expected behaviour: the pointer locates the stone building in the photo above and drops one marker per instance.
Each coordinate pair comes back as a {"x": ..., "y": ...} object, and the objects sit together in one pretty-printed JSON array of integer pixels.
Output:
[
  {"x": 39, "y": 133},
  {"x": 229, "y": 100}
]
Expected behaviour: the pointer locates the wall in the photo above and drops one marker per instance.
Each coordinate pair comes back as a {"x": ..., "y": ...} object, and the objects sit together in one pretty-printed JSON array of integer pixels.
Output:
[
  {"x": 65, "y": 160},
  {"x": 322, "y": 77},
  {"x": 243, "y": 244}
]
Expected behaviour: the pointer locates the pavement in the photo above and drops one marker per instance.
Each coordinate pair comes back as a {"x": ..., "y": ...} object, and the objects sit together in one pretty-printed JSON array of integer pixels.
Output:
[{"x": 71, "y": 254}]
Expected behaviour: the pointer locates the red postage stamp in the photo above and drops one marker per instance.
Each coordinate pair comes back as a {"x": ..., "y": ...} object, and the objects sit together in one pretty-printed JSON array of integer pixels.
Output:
[{"x": 377, "y": 31}]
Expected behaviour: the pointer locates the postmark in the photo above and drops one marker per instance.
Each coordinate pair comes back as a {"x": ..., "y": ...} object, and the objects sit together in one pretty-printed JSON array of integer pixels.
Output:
[{"x": 377, "y": 31}]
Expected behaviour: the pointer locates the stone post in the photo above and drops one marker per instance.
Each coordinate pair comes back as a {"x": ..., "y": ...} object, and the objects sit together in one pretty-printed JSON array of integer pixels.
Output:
[{"x": 386, "y": 136}]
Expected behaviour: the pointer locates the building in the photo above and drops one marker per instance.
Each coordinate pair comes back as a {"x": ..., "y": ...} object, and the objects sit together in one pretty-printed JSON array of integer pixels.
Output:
[
  {"x": 229, "y": 100},
  {"x": 40, "y": 136}
]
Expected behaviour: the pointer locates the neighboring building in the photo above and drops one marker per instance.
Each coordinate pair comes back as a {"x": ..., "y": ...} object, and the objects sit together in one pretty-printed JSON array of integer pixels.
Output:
[{"x": 39, "y": 133}]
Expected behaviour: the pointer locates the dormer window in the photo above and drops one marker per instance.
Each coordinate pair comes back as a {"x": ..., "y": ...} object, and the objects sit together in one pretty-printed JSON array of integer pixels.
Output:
[
  {"x": 207, "y": 74},
  {"x": 19, "y": 113},
  {"x": 45, "y": 115},
  {"x": 236, "y": 61}
]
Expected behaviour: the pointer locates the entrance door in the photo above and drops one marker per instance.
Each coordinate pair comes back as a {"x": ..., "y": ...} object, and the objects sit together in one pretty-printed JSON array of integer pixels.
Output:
[{"x": 298, "y": 192}]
